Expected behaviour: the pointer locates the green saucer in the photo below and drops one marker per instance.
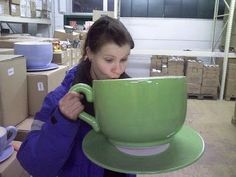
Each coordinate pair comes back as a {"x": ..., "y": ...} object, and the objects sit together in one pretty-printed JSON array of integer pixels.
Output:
[{"x": 186, "y": 148}]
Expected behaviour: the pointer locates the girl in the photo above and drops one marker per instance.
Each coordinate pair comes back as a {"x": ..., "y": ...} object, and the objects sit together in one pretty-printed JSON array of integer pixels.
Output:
[{"x": 54, "y": 145}]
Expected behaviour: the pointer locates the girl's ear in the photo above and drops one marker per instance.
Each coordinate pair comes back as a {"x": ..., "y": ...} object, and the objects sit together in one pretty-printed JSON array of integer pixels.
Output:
[{"x": 89, "y": 53}]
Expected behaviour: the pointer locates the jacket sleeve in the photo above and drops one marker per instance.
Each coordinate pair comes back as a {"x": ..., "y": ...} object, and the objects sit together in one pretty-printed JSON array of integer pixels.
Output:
[{"x": 49, "y": 143}]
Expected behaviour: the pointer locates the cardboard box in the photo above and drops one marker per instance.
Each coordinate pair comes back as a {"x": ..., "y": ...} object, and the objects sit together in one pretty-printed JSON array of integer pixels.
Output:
[
  {"x": 69, "y": 57},
  {"x": 33, "y": 5},
  {"x": 38, "y": 14},
  {"x": 15, "y": 2},
  {"x": 13, "y": 90},
  {"x": 45, "y": 14},
  {"x": 193, "y": 88},
  {"x": 12, "y": 168},
  {"x": 74, "y": 59},
  {"x": 219, "y": 62},
  {"x": 194, "y": 78},
  {"x": 175, "y": 72},
  {"x": 194, "y": 64},
  {"x": 156, "y": 63},
  {"x": 40, "y": 84},
  {"x": 60, "y": 57},
  {"x": 155, "y": 72},
  {"x": 211, "y": 69},
  {"x": 39, "y": 4},
  {"x": 207, "y": 90},
  {"x": 28, "y": 10},
  {"x": 49, "y": 5},
  {"x": 210, "y": 82},
  {"x": 194, "y": 71},
  {"x": 15, "y": 10},
  {"x": 23, "y": 4},
  {"x": 230, "y": 90},
  {"x": 6, "y": 51},
  {"x": 8, "y": 42},
  {"x": 44, "y": 4},
  {"x": 231, "y": 74},
  {"x": 4, "y": 8},
  {"x": 33, "y": 13},
  {"x": 78, "y": 54},
  {"x": 63, "y": 36}
]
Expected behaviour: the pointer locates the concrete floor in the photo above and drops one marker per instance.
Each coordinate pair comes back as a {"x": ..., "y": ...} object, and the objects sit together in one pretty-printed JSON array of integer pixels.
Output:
[{"x": 212, "y": 119}]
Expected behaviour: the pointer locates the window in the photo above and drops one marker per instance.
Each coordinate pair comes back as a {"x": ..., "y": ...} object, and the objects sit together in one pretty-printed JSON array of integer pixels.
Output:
[
  {"x": 86, "y": 5},
  {"x": 110, "y": 5},
  {"x": 170, "y": 8}
]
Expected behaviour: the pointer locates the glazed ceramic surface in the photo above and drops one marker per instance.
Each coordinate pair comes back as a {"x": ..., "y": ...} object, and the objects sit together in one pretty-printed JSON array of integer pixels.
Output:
[
  {"x": 37, "y": 54},
  {"x": 137, "y": 112},
  {"x": 7, "y": 135},
  {"x": 51, "y": 66},
  {"x": 186, "y": 148},
  {"x": 6, "y": 153}
]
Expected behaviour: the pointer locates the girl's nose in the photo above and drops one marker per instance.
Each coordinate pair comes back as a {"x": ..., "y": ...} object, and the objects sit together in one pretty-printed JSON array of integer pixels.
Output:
[{"x": 117, "y": 68}]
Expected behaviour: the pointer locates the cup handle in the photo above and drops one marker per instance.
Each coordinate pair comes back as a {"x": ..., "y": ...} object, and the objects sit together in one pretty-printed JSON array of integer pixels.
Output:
[
  {"x": 88, "y": 91},
  {"x": 11, "y": 133}
]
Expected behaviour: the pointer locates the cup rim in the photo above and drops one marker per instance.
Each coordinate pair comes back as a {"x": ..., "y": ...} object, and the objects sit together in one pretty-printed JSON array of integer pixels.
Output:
[
  {"x": 141, "y": 78},
  {"x": 33, "y": 43}
]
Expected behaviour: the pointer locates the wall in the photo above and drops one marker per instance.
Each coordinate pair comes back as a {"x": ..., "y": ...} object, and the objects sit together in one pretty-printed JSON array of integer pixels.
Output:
[
  {"x": 171, "y": 33},
  {"x": 167, "y": 34}
]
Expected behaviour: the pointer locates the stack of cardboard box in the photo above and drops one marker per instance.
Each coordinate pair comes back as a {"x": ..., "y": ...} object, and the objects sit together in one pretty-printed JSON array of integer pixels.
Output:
[
  {"x": 13, "y": 90},
  {"x": 60, "y": 57},
  {"x": 26, "y": 8},
  {"x": 194, "y": 71},
  {"x": 175, "y": 66},
  {"x": 21, "y": 92},
  {"x": 21, "y": 95},
  {"x": 230, "y": 91},
  {"x": 43, "y": 8},
  {"x": 210, "y": 80},
  {"x": 158, "y": 65},
  {"x": 13, "y": 105},
  {"x": 69, "y": 57}
]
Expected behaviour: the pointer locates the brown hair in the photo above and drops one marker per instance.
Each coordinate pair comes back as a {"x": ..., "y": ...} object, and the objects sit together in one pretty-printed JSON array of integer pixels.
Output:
[{"x": 106, "y": 30}]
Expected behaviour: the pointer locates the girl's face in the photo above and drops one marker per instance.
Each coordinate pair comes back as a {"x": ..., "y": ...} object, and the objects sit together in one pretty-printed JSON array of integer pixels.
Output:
[{"x": 109, "y": 62}]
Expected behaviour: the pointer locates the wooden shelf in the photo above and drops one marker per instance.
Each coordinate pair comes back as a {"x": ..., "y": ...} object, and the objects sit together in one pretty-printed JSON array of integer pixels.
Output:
[{"x": 13, "y": 19}]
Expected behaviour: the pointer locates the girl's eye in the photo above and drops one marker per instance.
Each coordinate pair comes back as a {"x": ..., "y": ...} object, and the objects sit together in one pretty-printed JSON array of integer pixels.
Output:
[
  {"x": 108, "y": 60},
  {"x": 124, "y": 59}
]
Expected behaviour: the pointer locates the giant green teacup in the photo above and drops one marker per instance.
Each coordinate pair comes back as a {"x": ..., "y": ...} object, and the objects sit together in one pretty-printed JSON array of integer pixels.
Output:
[{"x": 137, "y": 112}]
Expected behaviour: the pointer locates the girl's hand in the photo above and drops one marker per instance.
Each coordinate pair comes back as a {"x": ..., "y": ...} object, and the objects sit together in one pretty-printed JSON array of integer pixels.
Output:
[{"x": 71, "y": 106}]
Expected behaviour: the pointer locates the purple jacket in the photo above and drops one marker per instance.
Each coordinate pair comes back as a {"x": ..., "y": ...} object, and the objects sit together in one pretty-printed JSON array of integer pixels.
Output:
[{"x": 54, "y": 145}]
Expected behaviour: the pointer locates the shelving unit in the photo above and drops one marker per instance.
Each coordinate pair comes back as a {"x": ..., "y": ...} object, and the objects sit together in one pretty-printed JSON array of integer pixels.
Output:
[
  {"x": 228, "y": 26},
  {"x": 43, "y": 25},
  {"x": 13, "y": 19}
]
